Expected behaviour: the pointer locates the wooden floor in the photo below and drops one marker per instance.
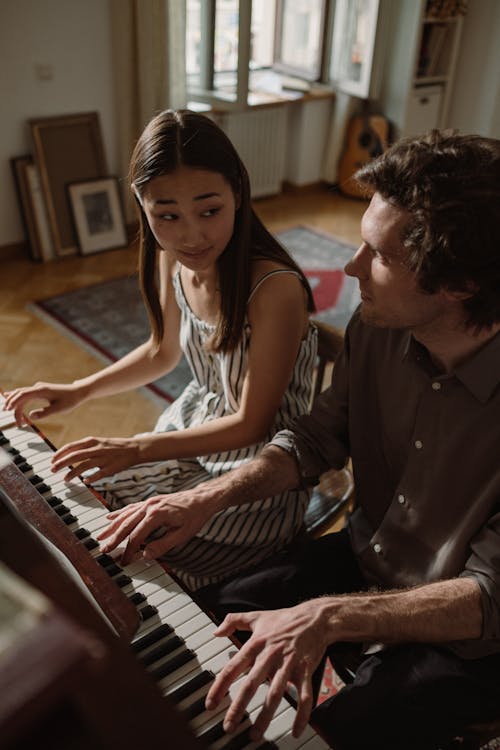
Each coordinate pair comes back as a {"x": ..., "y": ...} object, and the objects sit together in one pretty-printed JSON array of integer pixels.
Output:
[{"x": 32, "y": 350}]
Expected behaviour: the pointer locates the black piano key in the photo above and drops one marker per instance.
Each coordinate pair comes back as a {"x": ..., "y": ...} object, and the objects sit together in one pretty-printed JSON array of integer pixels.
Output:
[
  {"x": 157, "y": 653},
  {"x": 137, "y": 598},
  {"x": 43, "y": 488},
  {"x": 173, "y": 664},
  {"x": 3, "y": 439},
  {"x": 123, "y": 581},
  {"x": 153, "y": 636},
  {"x": 147, "y": 612},
  {"x": 53, "y": 501},
  {"x": 213, "y": 734},
  {"x": 35, "y": 479},
  {"x": 69, "y": 519},
  {"x": 104, "y": 559},
  {"x": 109, "y": 564},
  {"x": 23, "y": 465},
  {"x": 268, "y": 746},
  {"x": 113, "y": 570},
  {"x": 191, "y": 686},
  {"x": 195, "y": 709},
  {"x": 18, "y": 459},
  {"x": 82, "y": 533},
  {"x": 61, "y": 509},
  {"x": 90, "y": 543},
  {"x": 242, "y": 740}
]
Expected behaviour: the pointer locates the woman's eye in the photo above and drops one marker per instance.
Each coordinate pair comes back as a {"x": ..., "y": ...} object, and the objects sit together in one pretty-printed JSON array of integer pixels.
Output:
[
  {"x": 168, "y": 217},
  {"x": 211, "y": 211}
]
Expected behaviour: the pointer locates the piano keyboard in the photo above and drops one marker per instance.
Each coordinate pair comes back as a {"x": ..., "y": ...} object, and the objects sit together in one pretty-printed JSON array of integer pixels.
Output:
[{"x": 174, "y": 641}]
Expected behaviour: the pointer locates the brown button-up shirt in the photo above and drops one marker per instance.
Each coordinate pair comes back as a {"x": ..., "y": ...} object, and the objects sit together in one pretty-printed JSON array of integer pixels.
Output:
[{"x": 425, "y": 455}]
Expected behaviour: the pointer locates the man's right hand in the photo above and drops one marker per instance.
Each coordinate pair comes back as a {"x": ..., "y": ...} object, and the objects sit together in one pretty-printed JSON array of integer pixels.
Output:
[
  {"x": 59, "y": 397},
  {"x": 286, "y": 646}
]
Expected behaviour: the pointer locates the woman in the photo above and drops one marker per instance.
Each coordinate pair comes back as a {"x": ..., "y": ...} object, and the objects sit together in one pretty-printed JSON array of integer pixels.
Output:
[{"x": 219, "y": 288}]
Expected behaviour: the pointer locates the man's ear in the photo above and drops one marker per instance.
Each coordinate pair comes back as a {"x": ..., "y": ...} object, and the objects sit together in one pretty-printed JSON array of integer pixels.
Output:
[{"x": 454, "y": 295}]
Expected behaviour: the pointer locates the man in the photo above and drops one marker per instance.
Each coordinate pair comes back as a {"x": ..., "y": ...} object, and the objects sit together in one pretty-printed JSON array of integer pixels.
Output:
[{"x": 414, "y": 579}]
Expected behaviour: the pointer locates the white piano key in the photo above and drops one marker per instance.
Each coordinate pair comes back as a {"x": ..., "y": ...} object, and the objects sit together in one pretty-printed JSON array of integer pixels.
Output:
[
  {"x": 175, "y": 608},
  {"x": 6, "y": 417}
]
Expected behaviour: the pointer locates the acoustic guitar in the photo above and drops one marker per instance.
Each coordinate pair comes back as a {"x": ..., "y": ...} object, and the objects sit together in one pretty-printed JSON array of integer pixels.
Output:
[{"x": 367, "y": 137}]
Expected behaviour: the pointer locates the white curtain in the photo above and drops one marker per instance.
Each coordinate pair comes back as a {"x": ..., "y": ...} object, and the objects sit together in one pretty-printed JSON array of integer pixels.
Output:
[{"x": 148, "y": 50}]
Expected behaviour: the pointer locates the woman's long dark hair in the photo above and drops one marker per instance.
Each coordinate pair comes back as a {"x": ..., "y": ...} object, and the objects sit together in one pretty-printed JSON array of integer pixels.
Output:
[{"x": 182, "y": 138}]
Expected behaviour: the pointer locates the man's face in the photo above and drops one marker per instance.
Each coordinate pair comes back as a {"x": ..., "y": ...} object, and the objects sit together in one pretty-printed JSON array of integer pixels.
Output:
[{"x": 391, "y": 297}]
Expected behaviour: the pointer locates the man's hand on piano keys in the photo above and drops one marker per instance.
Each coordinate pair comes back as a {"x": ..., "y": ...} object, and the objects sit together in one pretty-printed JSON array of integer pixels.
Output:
[
  {"x": 177, "y": 517},
  {"x": 59, "y": 397},
  {"x": 285, "y": 648},
  {"x": 107, "y": 455}
]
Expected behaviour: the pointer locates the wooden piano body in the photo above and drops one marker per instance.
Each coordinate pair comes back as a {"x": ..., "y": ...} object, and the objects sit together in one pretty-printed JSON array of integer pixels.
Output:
[{"x": 124, "y": 660}]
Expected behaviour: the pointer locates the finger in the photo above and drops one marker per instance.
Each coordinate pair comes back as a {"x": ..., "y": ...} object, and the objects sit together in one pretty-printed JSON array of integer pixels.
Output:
[
  {"x": 237, "y": 666},
  {"x": 119, "y": 529},
  {"x": 93, "y": 456},
  {"x": 83, "y": 444},
  {"x": 255, "y": 678},
  {"x": 305, "y": 702},
  {"x": 20, "y": 417},
  {"x": 42, "y": 412},
  {"x": 235, "y": 621},
  {"x": 165, "y": 539},
  {"x": 274, "y": 695}
]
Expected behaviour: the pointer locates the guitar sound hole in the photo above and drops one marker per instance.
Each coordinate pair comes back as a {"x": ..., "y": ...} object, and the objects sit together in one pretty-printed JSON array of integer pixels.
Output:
[{"x": 365, "y": 139}]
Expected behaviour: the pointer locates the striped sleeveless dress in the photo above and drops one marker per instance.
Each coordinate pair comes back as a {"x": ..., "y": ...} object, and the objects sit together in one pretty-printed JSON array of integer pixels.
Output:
[{"x": 240, "y": 536}]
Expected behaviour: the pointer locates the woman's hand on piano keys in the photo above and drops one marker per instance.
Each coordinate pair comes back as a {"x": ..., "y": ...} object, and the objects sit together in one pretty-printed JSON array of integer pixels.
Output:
[
  {"x": 59, "y": 397},
  {"x": 157, "y": 524},
  {"x": 285, "y": 648},
  {"x": 107, "y": 455}
]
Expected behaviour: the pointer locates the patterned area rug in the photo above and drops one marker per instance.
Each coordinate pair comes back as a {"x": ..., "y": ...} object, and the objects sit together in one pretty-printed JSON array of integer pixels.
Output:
[{"x": 109, "y": 319}]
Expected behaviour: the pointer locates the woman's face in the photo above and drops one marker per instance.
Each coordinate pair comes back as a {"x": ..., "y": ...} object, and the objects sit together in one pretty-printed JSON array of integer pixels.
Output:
[{"x": 191, "y": 213}]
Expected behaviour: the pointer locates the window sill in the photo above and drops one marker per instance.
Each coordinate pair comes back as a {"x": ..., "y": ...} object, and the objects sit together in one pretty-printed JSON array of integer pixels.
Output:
[{"x": 267, "y": 89}]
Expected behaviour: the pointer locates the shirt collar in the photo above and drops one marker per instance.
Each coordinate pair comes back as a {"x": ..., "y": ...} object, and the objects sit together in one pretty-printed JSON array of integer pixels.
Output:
[{"x": 480, "y": 373}]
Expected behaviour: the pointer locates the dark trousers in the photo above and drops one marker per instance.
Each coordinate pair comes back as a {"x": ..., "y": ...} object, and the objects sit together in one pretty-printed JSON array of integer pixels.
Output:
[{"x": 410, "y": 696}]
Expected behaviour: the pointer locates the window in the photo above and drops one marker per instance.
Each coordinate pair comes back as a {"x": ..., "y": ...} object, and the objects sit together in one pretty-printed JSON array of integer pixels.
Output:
[
  {"x": 228, "y": 40},
  {"x": 353, "y": 46}
]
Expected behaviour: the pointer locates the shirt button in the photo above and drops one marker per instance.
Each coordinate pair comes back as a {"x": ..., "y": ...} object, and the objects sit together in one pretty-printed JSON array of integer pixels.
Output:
[
  {"x": 378, "y": 548},
  {"x": 436, "y": 386},
  {"x": 418, "y": 444},
  {"x": 401, "y": 499}
]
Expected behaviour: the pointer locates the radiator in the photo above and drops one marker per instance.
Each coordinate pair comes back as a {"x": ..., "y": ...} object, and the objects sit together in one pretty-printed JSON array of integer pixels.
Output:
[{"x": 259, "y": 136}]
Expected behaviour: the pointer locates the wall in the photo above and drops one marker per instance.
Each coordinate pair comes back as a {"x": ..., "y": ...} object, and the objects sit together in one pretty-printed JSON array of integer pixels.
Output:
[
  {"x": 475, "y": 106},
  {"x": 72, "y": 37}
]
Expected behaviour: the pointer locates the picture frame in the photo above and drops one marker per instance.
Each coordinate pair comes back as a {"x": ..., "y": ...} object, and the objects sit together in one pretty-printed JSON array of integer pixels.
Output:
[
  {"x": 98, "y": 214},
  {"x": 67, "y": 148},
  {"x": 32, "y": 207}
]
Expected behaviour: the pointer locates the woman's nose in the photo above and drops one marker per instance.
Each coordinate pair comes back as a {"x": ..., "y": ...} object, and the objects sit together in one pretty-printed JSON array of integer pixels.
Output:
[
  {"x": 358, "y": 266},
  {"x": 190, "y": 235}
]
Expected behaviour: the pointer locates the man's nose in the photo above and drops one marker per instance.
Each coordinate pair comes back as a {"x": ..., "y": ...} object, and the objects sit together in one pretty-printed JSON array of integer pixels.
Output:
[{"x": 359, "y": 264}]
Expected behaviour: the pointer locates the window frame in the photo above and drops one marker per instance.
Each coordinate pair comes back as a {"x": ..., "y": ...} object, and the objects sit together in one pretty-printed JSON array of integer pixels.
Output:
[{"x": 207, "y": 93}]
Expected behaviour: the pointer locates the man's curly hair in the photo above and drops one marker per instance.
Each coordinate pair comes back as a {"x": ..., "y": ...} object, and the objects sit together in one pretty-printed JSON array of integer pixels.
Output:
[{"x": 450, "y": 184}]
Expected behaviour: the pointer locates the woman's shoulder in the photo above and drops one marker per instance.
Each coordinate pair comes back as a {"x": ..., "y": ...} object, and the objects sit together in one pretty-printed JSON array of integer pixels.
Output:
[{"x": 263, "y": 267}]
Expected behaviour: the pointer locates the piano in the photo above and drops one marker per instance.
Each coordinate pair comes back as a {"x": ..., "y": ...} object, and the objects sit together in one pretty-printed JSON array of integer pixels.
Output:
[{"x": 157, "y": 640}]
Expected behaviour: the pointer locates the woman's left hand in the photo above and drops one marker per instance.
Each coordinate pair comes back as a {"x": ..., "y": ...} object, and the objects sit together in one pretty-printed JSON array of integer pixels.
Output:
[
  {"x": 156, "y": 524},
  {"x": 108, "y": 455}
]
